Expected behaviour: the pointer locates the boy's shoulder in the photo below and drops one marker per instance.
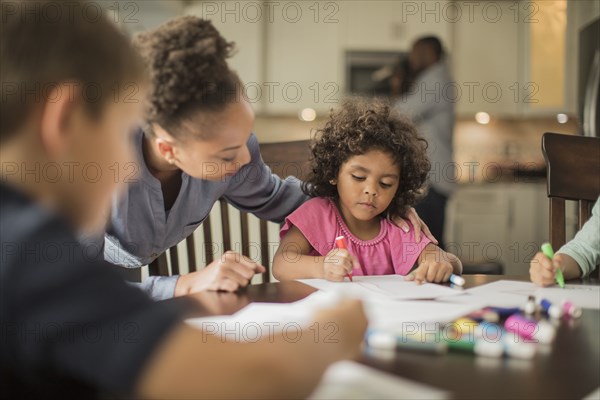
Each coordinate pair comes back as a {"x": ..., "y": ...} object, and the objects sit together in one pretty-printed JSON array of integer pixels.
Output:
[{"x": 21, "y": 218}]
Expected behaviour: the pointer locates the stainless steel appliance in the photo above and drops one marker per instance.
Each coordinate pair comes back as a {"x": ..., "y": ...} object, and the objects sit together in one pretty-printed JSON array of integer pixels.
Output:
[{"x": 589, "y": 79}]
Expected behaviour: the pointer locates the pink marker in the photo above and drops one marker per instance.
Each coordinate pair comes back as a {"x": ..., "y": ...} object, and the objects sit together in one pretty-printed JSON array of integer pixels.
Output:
[
  {"x": 530, "y": 329},
  {"x": 340, "y": 242},
  {"x": 571, "y": 309}
]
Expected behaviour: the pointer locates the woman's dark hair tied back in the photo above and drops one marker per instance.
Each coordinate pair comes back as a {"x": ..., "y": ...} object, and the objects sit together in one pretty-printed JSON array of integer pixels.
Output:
[{"x": 187, "y": 62}]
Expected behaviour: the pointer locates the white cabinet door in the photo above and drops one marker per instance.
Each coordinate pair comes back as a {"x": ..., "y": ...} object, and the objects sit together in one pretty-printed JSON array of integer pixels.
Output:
[
  {"x": 500, "y": 222},
  {"x": 241, "y": 23},
  {"x": 393, "y": 25},
  {"x": 527, "y": 225},
  {"x": 486, "y": 58},
  {"x": 303, "y": 58},
  {"x": 477, "y": 224}
]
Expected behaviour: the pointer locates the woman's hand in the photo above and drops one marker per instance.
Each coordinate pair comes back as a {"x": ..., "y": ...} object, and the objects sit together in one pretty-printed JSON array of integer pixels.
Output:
[
  {"x": 417, "y": 223},
  {"x": 231, "y": 272}
]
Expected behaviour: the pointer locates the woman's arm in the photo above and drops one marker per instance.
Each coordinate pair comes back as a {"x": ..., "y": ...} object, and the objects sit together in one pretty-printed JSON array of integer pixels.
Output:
[{"x": 257, "y": 190}]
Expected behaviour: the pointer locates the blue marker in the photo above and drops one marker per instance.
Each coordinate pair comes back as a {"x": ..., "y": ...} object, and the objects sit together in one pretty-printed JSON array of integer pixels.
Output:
[
  {"x": 552, "y": 310},
  {"x": 457, "y": 280},
  {"x": 505, "y": 311}
]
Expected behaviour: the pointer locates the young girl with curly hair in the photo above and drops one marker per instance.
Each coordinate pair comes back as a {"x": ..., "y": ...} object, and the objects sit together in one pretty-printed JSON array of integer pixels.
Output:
[{"x": 368, "y": 165}]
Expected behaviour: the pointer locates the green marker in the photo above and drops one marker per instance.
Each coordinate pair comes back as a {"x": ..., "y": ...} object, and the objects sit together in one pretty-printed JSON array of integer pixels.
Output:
[{"x": 549, "y": 252}]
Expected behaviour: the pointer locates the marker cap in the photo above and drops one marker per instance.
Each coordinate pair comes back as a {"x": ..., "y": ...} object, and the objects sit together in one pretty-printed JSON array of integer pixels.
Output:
[
  {"x": 515, "y": 349},
  {"x": 457, "y": 280},
  {"x": 489, "y": 348}
]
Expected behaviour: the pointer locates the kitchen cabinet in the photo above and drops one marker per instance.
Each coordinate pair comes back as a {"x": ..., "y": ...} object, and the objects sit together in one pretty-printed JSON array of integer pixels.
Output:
[
  {"x": 139, "y": 16},
  {"x": 243, "y": 24},
  {"x": 486, "y": 59},
  {"x": 291, "y": 54},
  {"x": 393, "y": 25},
  {"x": 304, "y": 61},
  {"x": 498, "y": 222}
]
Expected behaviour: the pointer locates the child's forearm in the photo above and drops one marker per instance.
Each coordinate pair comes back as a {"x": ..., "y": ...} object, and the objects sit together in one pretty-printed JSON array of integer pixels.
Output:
[
  {"x": 272, "y": 368},
  {"x": 292, "y": 265}
]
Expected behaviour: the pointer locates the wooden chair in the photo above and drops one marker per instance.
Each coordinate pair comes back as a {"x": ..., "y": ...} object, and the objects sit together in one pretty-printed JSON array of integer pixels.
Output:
[
  {"x": 573, "y": 173},
  {"x": 284, "y": 159},
  {"x": 160, "y": 266},
  {"x": 287, "y": 158}
]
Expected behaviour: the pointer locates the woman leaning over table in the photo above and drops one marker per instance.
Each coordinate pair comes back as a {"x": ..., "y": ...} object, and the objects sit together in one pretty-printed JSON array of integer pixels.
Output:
[{"x": 197, "y": 146}]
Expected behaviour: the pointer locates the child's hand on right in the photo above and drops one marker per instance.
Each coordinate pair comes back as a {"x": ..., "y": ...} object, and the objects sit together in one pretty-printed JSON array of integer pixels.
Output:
[
  {"x": 337, "y": 264},
  {"x": 542, "y": 270}
]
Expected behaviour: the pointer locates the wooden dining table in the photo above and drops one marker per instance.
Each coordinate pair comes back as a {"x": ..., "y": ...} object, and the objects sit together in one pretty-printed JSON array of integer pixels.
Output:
[{"x": 568, "y": 368}]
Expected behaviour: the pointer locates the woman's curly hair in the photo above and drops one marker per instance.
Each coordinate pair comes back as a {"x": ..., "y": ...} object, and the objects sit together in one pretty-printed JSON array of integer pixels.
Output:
[
  {"x": 357, "y": 127},
  {"x": 186, "y": 62}
]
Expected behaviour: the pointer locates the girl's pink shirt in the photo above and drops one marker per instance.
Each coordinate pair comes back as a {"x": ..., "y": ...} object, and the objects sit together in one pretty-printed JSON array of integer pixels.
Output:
[{"x": 392, "y": 251}]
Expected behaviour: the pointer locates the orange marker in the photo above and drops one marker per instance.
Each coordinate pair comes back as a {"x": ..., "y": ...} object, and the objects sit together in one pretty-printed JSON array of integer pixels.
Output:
[{"x": 340, "y": 242}]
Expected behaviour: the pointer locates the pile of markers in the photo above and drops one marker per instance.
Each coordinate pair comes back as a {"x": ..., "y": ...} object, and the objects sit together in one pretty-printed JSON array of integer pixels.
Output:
[{"x": 490, "y": 332}]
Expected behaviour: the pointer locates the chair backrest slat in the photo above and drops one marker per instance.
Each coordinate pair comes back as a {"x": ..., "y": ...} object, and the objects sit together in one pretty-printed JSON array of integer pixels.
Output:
[
  {"x": 208, "y": 242},
  {"x": 225, "y": 225},
  {"x": 264, "y": 249},
  {"x": 558, "y": 233},
  {"x": 174, "y": 257},
  {"x": 245, "y": 233},
  {"x": 584, "y": 211},
  {"x": 160, "y": 266},
  {"x": 191, "y": 253}
]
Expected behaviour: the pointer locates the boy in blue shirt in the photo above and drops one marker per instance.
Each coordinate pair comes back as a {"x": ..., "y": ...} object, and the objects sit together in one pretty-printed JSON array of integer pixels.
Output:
[{"x": 69, "y": 324}]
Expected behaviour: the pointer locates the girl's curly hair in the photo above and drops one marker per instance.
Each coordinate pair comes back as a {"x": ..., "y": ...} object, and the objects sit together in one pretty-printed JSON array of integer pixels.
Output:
[
  {"x": 186, "y": 62},
  {"x": 357, "y": 127}
]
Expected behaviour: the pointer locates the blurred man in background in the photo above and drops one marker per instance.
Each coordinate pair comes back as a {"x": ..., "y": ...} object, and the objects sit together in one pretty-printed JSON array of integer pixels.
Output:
[{"x": 427, "y": 94}]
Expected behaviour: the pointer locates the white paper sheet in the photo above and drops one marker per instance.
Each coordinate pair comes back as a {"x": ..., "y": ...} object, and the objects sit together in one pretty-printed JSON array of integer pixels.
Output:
[
  {"x": 481, "y": 300},
  {"x": 258, "y": 320},
  {"x": 383, "y": 286},
  {"x": 414, "y": 315},
  {"x": 505, "y": 293},
  {"x": 505, "y": 286},
  {"x": 350, "y": 380},
  {"x": 584, "y": 296},
  {"x": 261, "y": 319}
]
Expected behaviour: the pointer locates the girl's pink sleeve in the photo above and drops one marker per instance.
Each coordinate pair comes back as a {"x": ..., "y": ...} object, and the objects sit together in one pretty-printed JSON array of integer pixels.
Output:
[{"x": 316, "y": 221}]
